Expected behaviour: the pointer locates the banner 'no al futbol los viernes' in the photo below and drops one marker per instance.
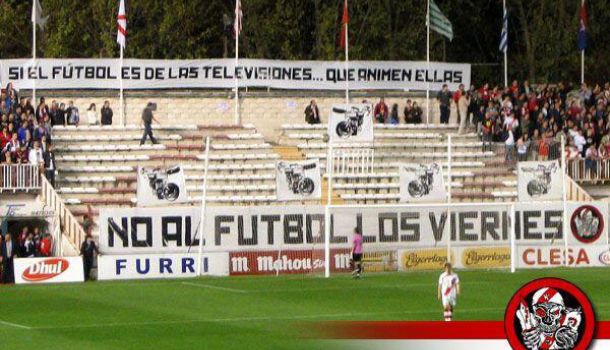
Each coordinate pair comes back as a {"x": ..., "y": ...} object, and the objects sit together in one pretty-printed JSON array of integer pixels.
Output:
[
  {"x": 176, "y": 230},
  {"x": 221, "y": 73}
]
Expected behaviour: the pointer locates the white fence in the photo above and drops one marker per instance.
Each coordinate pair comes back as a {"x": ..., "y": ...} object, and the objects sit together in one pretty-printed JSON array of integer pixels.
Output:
[
  {"x": 353, "y": 160},
  {"x": 19, "y": 177},
  {"x": 585, "y": 170},
  {"x": 69, "y": 225}
]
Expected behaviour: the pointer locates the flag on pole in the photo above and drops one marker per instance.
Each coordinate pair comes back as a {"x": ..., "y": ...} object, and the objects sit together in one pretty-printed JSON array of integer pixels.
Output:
[
  {"x": 238, "y": 18},
  {"x": 438, "y": 22},
  {"x": 121, "y": 25},
  {"x": 37, "y": 15},
  {"x": 582, "y": 30},
  {"x": 344, "y": 23},
  {"x": 504, "y": 34}
]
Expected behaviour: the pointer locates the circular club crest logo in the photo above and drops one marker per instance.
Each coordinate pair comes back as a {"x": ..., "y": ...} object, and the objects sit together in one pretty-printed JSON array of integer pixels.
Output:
[
  {"x": 587, "y": 224},
  {"x": 549, "y": 313}
]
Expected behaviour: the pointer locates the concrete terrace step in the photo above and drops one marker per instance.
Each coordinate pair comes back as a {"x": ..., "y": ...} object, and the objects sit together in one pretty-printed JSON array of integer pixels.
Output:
[
  {"x": 235, "y": 157},
  {"x": 376, "y": 126},
  {"x": 191, "y": 200},
  {"x": 405, "y": 136},
  {"x": 109, "y": 148},
  {"x": 133, "y": 178},
  {"x": 111, "y": 138},
  {"x": 377, "y": 145},
  {"x": 132, "y": 127},
  {"x": 435, "y": 155}
]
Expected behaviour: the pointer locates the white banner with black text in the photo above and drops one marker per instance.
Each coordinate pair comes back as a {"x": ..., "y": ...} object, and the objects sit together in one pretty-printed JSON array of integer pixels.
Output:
[
  {"x": 221, "y": 73},
  {"x": 301, "y": 227}
]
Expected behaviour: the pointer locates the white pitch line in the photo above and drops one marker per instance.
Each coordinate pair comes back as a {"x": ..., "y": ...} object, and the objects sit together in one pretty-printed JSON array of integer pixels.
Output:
[
  {"x": 262, "y": 318},
  {"x": 14, "y": 325},
  {"x": 226, "y": 289}
]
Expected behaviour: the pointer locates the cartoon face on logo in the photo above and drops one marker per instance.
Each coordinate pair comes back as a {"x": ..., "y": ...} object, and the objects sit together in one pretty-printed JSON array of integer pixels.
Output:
[
  {"x": 587, "y": 224},
  {"x": 551, "y": 314}
]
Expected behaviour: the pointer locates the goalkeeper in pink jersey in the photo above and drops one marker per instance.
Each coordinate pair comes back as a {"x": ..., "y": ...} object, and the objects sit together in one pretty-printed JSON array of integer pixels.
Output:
[
  {"x": 357, "y": 253},
  {"x": 448, "y": 290}
]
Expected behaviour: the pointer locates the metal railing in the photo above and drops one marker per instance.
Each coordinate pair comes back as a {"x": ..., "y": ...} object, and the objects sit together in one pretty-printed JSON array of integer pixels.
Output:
[
  {"x": 532, "y": 150},
  {"x": 353, "y": 161},
  {"x": 19, "y": 177},
  {"x": 70, "y": 227},
  {"x": 576, "y": 193},
  {"x": 589, "y": 170}
]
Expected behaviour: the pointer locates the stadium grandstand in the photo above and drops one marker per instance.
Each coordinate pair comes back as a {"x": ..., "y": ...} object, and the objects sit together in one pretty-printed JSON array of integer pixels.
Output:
[{"x": 250, "y": 201}]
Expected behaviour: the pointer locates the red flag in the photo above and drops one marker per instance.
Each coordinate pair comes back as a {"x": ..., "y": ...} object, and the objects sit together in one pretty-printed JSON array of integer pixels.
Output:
[
  {"x": 344, "y": 22},
  {"x": 121, "y": 25},
  {"x": 238, "y": 18}
]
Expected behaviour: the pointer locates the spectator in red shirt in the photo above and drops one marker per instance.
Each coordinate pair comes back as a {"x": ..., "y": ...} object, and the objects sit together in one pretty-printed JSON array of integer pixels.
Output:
[
  {"x": 514, "y": 87},
  {"x": 5, "y": 137},
  {"x": 45, "y": 245},
  {"x": 484, "y": 91},
  {"x": 381, "y": 111}
]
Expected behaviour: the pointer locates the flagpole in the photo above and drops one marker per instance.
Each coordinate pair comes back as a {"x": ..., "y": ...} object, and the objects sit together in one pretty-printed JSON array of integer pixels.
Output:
[
  {"x": 121, "y": 100},
  {"x": 236, "y": 30},
  {"x": 34, "y": 10},
  {"x": 506, "y": 49},
  {"x": 346, "y": 60},
  {"x": 582, "y": 66},
  {"x": 427, "y": 62}
]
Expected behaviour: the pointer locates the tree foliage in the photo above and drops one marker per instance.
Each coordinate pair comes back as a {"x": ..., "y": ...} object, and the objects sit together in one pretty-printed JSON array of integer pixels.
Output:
[{"x": 542, "y": 33}]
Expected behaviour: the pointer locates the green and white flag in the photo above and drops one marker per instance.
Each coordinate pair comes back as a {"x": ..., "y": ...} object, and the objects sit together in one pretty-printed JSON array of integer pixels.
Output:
[{"x": 438, "y": 22}]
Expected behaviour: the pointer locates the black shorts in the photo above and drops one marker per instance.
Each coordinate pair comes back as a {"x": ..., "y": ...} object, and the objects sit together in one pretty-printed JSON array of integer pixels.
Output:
[{"x": 357, "y": 257}]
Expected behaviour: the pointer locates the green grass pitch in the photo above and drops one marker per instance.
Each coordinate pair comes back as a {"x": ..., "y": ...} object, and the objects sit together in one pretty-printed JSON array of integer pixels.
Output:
[{"x": 249, "y": 312}]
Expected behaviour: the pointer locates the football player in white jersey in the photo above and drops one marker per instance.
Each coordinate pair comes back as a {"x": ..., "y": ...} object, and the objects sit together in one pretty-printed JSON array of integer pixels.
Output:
[{"x": 448, "y": 290}]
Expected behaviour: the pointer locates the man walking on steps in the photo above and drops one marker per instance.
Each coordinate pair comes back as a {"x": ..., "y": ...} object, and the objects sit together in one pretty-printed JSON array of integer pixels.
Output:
[{"x": 147, "y": 119}]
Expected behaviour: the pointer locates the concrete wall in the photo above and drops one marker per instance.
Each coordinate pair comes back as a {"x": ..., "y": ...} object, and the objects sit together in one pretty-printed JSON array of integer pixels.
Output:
[{"x": 267, "y": 111}]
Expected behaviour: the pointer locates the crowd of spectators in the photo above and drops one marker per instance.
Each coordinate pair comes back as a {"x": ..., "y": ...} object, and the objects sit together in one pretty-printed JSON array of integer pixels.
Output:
[
  {"x": 29, "y": 243},
  {"x": 531, "y": 121},
  {"x": 524, "y": 122},
  {"x": 26, "y": 131}
]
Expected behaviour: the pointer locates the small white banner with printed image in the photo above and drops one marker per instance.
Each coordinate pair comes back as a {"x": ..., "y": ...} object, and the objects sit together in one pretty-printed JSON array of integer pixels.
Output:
[
  {"x": 298, "y": 180},
  {"x": 161, "y": 186},
  {"x": 422, "y": 183},
  {"x": 351, "y": 123},
  {"x": 539, "y": 181}
]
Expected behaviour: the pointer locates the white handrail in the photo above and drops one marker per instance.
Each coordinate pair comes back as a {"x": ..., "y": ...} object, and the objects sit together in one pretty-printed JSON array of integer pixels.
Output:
[
  {"x": 19, "y": 177},
  {"x": 576, "y": 193},
  {"x": 71, "y": 228}
]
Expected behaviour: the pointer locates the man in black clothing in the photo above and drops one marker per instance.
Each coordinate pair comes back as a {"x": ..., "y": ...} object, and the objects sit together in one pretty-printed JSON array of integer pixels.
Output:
[
  {"x": 312, "y": 113},
  {"x": 444, "y": 99},
  {"x": 147, "y": 119},
  {"x": 49, "y": 164},
  {"x": 87, "y": 250},
  {"x": 107, "y": 114},
  {"x": 9, "y": 251}
]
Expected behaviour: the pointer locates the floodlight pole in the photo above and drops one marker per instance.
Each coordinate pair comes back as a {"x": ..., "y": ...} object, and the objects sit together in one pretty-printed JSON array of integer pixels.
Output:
[
  {"x": 35, "y": 15},
  {"x": 427, "y": 62},
  {"x": 204, "y": 190},
  {"x": 327, "y": 221},
  {"x": 513, "y": 237},
  {"x": 564, "y": 178},
  {"x": 121, "y": 96},
  {"x": 449, "y": 179}
]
